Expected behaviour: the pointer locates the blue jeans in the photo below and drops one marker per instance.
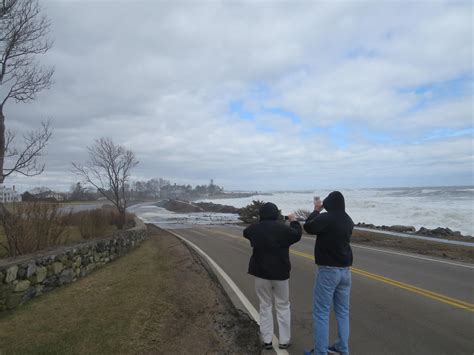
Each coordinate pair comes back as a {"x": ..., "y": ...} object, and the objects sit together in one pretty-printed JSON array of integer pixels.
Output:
[{"x": 332, "y": 284}]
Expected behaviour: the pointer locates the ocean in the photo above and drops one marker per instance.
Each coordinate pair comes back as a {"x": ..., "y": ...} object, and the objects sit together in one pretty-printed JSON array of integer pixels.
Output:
[{"x": 428, "y": 207}]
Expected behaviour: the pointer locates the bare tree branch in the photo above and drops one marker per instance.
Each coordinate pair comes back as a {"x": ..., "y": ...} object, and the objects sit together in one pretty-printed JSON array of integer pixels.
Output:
[
  {"x": 23, "y": 36},
  {"x": 25, "y": 161},
  {"x": 108, "y": 170}
]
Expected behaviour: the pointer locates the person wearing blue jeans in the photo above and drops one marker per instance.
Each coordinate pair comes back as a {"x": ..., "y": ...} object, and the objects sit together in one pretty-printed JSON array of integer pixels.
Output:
[
  {"x": 332, "y": 284},
  {"x": 333, "y": 256}
]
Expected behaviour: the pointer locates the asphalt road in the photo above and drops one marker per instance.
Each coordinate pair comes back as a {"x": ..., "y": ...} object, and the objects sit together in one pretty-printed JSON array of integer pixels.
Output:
[{"x": 400, "y": 303}]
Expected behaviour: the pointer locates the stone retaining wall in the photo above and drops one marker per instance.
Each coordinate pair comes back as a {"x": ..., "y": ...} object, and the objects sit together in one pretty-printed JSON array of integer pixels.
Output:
[{"x": 30, "y": 276}]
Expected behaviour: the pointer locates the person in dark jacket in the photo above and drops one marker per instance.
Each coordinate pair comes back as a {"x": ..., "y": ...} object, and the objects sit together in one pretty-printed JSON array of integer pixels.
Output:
[
  {"x": 270, "y": 264},
  {"x": 333, "y": 255}
]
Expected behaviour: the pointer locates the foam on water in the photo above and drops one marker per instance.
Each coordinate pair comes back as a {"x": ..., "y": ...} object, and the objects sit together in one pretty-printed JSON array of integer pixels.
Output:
[
  {"x": 451, "y": 207},
  {"x": 160, "y": 216}
]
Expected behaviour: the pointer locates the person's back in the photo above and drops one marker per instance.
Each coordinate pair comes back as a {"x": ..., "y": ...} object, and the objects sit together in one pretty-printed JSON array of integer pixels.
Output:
[
  {"x": 270, "y": 264},
  {"x": 333, "y": 229},
  {"x": 333, "y": 255},
  {"x": 271, "y": 240}
]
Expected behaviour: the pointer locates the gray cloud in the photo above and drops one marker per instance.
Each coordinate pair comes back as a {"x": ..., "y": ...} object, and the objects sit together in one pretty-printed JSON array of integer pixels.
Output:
[{"x": 159, "y": 78}]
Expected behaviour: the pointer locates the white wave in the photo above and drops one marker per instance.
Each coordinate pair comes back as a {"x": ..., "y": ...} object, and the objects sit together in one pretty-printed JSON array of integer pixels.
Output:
[{"x": 443, "y": 208}]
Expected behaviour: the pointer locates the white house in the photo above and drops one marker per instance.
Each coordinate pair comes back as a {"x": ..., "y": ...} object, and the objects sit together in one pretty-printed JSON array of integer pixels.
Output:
[{"x": 9, "y": 194}]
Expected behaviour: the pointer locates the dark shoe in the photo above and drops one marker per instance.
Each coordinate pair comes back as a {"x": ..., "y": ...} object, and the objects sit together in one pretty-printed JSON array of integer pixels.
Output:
[
  {"x": 284, "y": 346},
  {"x": 332, "y": 350},
  {"x": 267, "y": 346}
]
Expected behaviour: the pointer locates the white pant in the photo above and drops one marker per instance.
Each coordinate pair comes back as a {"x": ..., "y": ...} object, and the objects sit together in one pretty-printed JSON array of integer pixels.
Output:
[{"x": 280, "y": 290}]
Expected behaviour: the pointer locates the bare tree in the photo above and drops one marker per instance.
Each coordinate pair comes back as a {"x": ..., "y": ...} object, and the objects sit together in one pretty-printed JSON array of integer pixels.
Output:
[
  {"x": 23, "y": 36},
  {"x": 108, "y": 170}
]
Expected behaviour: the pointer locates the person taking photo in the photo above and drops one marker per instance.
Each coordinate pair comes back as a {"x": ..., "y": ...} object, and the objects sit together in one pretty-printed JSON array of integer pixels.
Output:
[
  {"x": 333, "y": 256},
  {"x": 270, "y": 239}
]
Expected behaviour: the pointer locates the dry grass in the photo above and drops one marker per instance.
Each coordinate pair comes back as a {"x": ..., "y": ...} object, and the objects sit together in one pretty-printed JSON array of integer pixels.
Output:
[
  {"x": 157, "y": 299},
  {"x": 35, "y": 226}
]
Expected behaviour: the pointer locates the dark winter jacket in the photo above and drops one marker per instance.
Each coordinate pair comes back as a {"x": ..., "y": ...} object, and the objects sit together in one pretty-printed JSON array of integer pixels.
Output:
[
  {"x": 333, "y": 230},
  {"x": 270, "y": 240}
]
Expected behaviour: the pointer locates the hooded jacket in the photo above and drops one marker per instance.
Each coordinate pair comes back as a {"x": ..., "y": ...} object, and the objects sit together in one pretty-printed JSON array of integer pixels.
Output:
[
  {"x": 270, "y": 240},
  {"x": 333, "y": 230}
]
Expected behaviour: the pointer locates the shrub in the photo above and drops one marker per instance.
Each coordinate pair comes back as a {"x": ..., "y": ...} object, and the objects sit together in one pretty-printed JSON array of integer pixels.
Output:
[
  {"x": 250, "y": 213},
  {"x": 32, "y": 226},
  {"x": 93, "y": 224},
  {"x": 98, "y": 222}
]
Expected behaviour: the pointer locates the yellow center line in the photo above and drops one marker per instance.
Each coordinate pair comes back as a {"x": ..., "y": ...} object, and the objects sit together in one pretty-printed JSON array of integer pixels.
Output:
[
  {"x": 420, "y": 291},
  {"x": 430, "y": 294}
]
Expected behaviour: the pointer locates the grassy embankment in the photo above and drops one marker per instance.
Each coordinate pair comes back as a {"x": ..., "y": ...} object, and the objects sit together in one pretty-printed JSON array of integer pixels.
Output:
[{"x": 156, "y": 299}]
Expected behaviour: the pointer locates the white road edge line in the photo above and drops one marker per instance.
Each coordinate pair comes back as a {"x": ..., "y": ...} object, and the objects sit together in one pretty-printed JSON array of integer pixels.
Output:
[
  {"x": 250, "y": 308},
  {"x": 407, "y": 255}
]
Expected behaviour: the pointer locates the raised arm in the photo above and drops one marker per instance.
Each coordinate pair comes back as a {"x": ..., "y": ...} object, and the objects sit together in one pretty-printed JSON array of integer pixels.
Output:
[{"x": 316, "y": 222}]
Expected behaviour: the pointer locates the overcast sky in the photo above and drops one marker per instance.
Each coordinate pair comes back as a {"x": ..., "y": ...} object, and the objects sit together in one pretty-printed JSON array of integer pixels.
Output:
[{"x": 261, "y": 95}]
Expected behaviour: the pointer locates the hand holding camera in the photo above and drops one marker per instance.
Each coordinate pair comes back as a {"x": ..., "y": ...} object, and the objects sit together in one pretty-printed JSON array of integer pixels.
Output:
[{"x": 318, "y": 204}]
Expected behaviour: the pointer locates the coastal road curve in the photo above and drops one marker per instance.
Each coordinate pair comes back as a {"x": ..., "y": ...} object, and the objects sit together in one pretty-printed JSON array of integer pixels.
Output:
[{"x": 400, "y": 303}]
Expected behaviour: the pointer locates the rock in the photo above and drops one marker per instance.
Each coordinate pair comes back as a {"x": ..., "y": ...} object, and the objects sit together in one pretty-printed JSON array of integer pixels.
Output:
[
  {"x": 39, "y": 290},
  {"x": 41, "y": 273},
  {"x": 179, "y": 206},
  {"x": 11, "y": 274},
  {"x": 21, "y": 274},
  {"x": 400, "y": 228},
  {"x": 77, "y": 262},
  {"x": 51, "y": 282},
  {"x": 31, "y": 270},
  {"x": 424, "y": 230},
  {"x": 218, "y": 208},
  {"x": 68, "y": 263},
  {"x": 66, "y": 276},
  {"x": 61, "y": 258},
  {"x": 21, "y": 286},
  {"x": 29, "y": 294},
  {"x": 85, "y": 261},
  {"x": 2, "y": 276},
  {"x": 57, "y": 267},
  {"x": 440, "y": 232}
]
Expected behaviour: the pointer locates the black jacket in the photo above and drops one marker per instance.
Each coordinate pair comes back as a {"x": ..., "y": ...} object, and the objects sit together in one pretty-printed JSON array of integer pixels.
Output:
[
  {"x": 333, "y": 230},
  {"x": 270, "y": 240}
]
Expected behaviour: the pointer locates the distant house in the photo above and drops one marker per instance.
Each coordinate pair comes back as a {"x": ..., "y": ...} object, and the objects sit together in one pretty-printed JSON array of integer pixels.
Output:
[
  {"x": 173, "y": 191},
  {"x": 49, "y": 196},
  {"x": 9, "y": 194}
]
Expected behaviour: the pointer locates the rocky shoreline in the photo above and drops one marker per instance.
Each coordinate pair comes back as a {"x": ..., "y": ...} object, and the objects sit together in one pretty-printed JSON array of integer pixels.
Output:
[
  {"x": 440, "y": 232},
  {"x": 182, "y": 206}
]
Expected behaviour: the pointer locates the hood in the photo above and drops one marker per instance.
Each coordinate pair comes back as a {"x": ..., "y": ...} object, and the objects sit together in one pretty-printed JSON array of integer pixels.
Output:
[
  {"x": 269, "y": 211},
  {"x": 334, "y": 202}
]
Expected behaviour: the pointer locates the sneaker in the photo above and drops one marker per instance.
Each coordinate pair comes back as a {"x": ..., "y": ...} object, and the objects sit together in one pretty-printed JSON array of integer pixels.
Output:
[
  {"x": 267, "y": 346},
  {"x": 284, "y": 346},
  {"x": 332, "y": 350}
]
